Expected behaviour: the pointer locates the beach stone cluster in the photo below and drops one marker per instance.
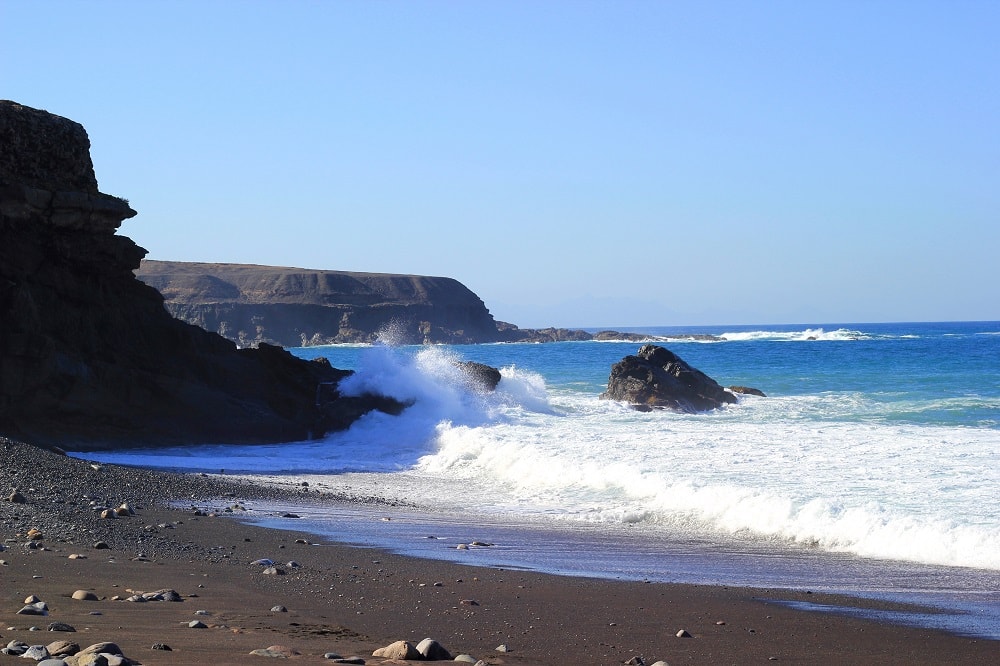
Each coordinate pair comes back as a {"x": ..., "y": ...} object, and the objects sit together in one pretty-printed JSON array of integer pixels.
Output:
[
  {"x": 426, "y": 650},
  {"x": 66, "y": 653}
]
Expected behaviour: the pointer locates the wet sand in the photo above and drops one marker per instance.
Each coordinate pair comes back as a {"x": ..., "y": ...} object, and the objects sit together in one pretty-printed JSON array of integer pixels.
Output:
[{"x": 351, "y": 601}]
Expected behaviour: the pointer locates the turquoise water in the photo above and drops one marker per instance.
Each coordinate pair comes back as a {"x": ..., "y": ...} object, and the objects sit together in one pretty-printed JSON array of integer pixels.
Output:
[{"x": 872, "y": 467}]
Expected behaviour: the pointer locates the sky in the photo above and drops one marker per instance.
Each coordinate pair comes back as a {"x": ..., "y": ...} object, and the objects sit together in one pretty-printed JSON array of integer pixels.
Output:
[{"x": 575, "y": 164}]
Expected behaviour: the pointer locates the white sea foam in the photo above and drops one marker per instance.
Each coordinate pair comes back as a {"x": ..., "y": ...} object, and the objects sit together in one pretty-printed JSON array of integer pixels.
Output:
[
  {"x": 784, "y": 468},
  {"x": 824, "y": 470},
  {"x": 808, "y": 334}
]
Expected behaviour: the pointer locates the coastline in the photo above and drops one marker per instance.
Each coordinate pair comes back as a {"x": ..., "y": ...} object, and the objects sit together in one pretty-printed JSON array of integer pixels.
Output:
[
  {"x": 351, "y": 600},
  {"x": 959, "y": 600}
]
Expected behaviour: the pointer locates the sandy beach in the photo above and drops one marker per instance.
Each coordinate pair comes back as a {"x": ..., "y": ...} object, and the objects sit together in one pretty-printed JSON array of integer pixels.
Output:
[{"x": 328, "y": 601}]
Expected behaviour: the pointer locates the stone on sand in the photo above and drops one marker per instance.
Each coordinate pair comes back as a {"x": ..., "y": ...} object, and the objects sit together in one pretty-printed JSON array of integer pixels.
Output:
[
  {"x": 37, "y": 608},
  {"x": 403, "y": 650},
  {"x": 61, "y": 626},
  {"x": 276, "y": 651},
  {"x": 62, "y": 648},
  {"x": 431, "y": 650},
  {"x": 84, "y": 595},
  {"x": 36, "y": 652}
]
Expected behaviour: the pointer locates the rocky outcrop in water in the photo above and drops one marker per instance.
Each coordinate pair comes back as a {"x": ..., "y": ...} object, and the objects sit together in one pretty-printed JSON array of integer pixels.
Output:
[
  {"x": 657, "y": 378},
  {"x": 89, "y": 357}
]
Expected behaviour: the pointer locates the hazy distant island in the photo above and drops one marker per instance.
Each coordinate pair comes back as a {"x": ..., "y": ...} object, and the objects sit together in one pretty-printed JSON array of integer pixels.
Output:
[{"x": 298, "y": 307}]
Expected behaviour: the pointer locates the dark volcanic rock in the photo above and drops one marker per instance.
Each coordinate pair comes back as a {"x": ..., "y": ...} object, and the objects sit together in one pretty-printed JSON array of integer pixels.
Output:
[
  {"x": 89, "y": 357},
  {"x": 480, "y": 375},
  {"x": 747, "y": 390},
  {"x": 656, "y": 377},
  {"x": 298, "y": 307},
  {"x": 511, "y": 333}
]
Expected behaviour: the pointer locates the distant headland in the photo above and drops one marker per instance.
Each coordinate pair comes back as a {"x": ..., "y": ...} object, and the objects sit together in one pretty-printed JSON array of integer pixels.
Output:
[{"x": 298, "y": 307}]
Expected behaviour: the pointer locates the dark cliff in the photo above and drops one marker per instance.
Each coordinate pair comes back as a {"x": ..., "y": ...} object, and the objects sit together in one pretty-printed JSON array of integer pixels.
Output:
[
  {"x": 295, "y": 307},
  {"x": 89, "y": 356}
]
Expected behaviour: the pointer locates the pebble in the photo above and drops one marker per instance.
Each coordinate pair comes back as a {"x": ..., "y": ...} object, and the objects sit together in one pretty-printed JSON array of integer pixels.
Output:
[
  {"x": 683, "y": 633},
  {"x": 36, "y": 652},
  {"x": 279, "y": 609},
  {"x": 161, "y": 646},
  {"x": 61, "y": 626},
  {"x": 277, "y": 651},
  {"x": 62, "y": 648},
  {"x": 197, "y": 624},
  {"x": 38, "y": 608},
  {"x": 402, "y": 650},
  {"x": 84, "y": 595},
  {"x": 274, "y": 571},
  {"x": 431, "y": 650},
  {"x": 502, "y": 648}
]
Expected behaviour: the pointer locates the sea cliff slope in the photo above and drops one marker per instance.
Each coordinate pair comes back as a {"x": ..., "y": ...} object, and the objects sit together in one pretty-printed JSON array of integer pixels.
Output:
[{"x": 89, "y": 356}]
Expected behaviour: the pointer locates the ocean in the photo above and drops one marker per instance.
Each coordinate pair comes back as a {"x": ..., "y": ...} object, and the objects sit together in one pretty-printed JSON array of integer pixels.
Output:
[{"x": 872, "y": 467}]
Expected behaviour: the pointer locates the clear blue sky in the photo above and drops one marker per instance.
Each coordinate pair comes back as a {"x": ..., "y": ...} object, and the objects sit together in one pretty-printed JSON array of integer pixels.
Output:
[{"x": 573, "y": 163}]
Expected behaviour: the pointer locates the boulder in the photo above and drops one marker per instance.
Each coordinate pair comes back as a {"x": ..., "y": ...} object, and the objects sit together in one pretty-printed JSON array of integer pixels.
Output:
[
  {"x": 657, "y": 378},
  {"x": 479, "y": 375},
  {"x": 747, "y": 390}
]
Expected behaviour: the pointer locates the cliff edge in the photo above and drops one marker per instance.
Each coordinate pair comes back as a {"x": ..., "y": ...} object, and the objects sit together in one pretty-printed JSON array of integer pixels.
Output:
[{"x": 89, "y": 356}]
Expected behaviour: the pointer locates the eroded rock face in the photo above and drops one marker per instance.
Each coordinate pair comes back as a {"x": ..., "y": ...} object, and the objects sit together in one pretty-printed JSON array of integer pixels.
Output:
[
  {"x": 89, "y": 356},
  {"x": 656, "y": 377}
]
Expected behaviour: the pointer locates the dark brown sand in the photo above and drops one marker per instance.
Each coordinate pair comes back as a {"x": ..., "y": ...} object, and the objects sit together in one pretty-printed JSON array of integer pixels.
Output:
[{"x": 351, "y": 601}]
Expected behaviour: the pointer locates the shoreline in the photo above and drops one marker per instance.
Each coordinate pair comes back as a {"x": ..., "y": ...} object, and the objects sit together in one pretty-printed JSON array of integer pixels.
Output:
[
  {"x": 349, "y": 599},
  {"x": 959, "y": 600}
]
